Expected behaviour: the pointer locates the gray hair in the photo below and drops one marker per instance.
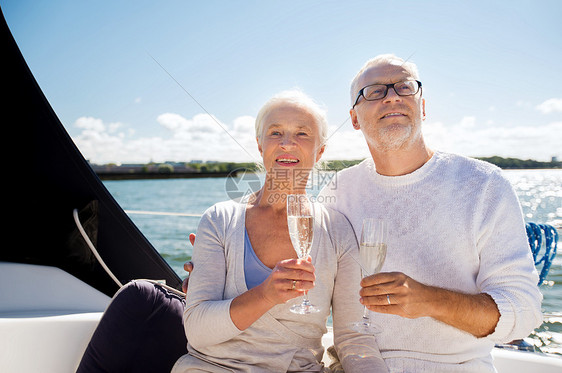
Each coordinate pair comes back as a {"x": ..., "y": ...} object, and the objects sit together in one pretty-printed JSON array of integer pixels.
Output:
[
  {"x": 295, "y": 98},
  {"x": 381, "y": 59}
]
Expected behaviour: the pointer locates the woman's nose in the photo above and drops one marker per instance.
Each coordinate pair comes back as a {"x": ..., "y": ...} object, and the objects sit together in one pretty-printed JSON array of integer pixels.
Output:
[{"x": 287, "y": 141}]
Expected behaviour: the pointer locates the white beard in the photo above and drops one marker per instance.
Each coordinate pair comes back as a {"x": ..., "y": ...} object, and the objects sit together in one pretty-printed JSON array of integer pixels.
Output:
[{"x": 393, "y": 137}]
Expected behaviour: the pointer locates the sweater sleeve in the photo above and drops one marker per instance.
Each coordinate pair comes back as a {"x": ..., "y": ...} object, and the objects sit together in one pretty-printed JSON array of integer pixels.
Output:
[
  {"x": 207, "y": 315},
  {"x": 507, "y": 272},
  {"x": 357, "y": 352}
]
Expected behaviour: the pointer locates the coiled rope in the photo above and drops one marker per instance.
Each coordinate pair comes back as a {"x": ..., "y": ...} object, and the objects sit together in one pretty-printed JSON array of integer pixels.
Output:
[{"x": 535, "y": 236}]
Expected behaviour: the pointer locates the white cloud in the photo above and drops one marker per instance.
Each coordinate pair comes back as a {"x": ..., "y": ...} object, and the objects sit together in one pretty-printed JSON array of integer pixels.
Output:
[
  {"x": 550, "y": 105},
  {"x": 345, "y": 143},
  {"x": 200, "y": 137},
  {"x": 89, "y": 123},
  {"x": 527, "y": 141}
]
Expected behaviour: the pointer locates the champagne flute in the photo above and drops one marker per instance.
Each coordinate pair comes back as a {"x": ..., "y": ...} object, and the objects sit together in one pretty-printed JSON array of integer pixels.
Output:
[
  {"x": 300, "y": 219},
  {"x": 372, "y": 253}
]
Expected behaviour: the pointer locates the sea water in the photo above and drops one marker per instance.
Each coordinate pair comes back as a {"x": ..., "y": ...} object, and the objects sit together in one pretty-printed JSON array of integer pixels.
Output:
[{"x": 180, "y": 202}]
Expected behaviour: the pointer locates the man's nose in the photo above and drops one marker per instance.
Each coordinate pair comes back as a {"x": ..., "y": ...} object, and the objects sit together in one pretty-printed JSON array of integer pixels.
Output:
[{"x": 392, "y": 96}]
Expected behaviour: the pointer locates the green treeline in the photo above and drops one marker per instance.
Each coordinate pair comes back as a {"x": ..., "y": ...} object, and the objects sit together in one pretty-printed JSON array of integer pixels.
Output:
[
  {"x": 514, "y": 163},
  {"x": 337, "y": 165},
  {"x": 214, "y": 167}
]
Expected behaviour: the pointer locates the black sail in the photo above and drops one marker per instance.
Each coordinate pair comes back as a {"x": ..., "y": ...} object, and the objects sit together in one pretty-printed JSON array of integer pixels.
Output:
[{"x": 46, "y": 178}]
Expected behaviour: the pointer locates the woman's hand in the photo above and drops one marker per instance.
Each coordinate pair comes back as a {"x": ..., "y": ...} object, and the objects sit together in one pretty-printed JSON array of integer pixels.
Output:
[
  {"x": 289, "y": 279},
  {"x": 277, "y": 288}
]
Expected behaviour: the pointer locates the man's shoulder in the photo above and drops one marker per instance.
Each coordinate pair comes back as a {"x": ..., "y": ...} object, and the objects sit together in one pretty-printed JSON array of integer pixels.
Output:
[
  {"x": 468, "y": 165},
  {"x": 352, "y": 172}
]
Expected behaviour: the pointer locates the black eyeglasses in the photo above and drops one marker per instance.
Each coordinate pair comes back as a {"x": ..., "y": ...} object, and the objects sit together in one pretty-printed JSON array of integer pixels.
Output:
[{"x": 378, "y": 91}]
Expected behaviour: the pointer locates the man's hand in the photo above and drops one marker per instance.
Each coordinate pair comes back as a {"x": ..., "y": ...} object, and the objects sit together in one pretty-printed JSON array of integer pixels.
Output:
[
  {"x": 398, "y": 294},
  {"x": 188, "y": 266}
]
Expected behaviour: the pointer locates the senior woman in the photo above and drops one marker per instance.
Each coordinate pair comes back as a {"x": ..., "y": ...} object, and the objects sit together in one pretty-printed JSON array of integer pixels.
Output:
[{"x": 246, "y": 273}]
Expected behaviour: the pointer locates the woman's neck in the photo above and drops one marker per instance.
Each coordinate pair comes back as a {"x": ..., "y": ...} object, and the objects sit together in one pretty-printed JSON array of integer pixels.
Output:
[{"x": 274, "y": 195}]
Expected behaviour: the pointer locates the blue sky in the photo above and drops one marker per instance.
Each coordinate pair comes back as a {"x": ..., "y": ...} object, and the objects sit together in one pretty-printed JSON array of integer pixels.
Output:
[{"x": 138, "y": 81}]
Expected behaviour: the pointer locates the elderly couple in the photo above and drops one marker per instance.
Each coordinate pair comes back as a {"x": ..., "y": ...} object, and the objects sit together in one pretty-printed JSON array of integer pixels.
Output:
[{"x": 458, "y": 275}]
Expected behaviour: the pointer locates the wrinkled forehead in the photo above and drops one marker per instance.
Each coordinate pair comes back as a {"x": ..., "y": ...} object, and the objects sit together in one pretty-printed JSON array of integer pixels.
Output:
[
  {"x": 291, "y": 115},
  {"x": 385, "y": 74}
]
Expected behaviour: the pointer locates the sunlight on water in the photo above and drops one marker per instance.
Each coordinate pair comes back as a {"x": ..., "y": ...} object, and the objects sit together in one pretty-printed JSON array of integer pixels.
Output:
[
  {"x": 540, "y": 195},
  {"x": 539, "y": 192}
]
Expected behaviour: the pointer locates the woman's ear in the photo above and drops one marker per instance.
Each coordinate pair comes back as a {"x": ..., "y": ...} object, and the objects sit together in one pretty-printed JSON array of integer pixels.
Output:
[
  {"x": 320, "y": 152},
  {"x": 259, "y": 146}
]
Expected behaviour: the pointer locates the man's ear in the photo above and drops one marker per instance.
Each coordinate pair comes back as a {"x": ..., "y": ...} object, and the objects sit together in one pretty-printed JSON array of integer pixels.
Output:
[
  {"x": 354, "y": 121},
  {"x": 423, "y": 108}
]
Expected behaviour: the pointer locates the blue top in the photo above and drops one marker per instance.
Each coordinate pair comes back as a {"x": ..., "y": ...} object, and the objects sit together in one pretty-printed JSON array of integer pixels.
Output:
[{"x": 255, "y": 271}]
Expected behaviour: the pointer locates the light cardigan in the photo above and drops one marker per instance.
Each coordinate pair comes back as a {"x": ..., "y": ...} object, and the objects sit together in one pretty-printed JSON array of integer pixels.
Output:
[
  {"x": 279, "y": 341},
  {"x": 454, "y": 223}
]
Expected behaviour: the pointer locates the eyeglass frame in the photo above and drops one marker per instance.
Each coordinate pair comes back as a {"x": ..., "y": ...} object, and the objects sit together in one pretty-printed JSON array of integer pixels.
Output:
[{"x": 388, "y": 86}]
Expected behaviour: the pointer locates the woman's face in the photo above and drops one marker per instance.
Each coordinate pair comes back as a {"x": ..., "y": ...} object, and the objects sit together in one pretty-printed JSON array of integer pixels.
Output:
[{"x": 290, "y": 146}]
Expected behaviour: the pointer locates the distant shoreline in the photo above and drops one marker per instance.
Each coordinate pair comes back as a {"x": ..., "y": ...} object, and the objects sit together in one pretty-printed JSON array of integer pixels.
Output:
[
  {"x": 191, "y": 170},
  {"x": 160, "y": 175}
]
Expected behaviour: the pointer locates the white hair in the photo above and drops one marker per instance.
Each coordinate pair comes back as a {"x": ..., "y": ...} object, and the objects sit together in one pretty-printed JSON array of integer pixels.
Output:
[
  {"x": 382, "y": 59},
  {"x": 295, "y": 98}
]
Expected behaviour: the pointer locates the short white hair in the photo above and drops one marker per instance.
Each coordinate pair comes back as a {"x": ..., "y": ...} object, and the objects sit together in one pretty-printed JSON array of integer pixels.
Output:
[
  {"x": 382, "y": 59},
  {"x": 298, "y": 99}
]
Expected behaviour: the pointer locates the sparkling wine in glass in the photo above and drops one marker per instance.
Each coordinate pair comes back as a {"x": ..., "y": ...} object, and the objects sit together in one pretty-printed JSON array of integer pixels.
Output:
[
  {"x": 372, "y": 253},
  {"x": 300, "y": 219}
]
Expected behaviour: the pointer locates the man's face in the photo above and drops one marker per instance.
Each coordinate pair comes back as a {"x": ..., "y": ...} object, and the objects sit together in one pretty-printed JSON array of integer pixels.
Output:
[{"x": 391, "y": 123}]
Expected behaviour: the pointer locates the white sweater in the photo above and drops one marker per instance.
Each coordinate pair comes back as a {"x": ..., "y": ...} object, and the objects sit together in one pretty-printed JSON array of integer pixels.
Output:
[
  {"x": 455, "y": 223},
  {"x": 279, "y": 341}
]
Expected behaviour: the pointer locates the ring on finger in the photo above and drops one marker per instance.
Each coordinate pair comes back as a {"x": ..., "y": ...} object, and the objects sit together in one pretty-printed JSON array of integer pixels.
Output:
[
  {"x": 388, "y": 298},
  {"x": 294, "y": 285}
]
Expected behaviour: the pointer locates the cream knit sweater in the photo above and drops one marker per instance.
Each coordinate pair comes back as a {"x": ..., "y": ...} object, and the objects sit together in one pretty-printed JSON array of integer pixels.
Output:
[{"x": 454, "y": 223}]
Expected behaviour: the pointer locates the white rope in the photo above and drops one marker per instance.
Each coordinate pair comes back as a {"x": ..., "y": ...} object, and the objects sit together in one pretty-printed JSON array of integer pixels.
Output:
[
  {"x": 91, "y": 245},
  {"x": 140, "y": 212}
]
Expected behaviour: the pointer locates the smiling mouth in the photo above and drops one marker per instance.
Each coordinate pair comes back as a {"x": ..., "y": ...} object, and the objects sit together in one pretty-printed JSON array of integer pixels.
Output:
[
  {"x": 391, "y": 115},
  {"x": 287, "y": 161}
]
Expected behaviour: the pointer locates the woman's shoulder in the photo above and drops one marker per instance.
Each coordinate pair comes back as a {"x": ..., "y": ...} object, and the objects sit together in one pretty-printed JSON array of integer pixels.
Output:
[
  {"x": 334, "y": 220},
  {"x": 223, "y": 208},
  {"x": 222, "y": 215}
]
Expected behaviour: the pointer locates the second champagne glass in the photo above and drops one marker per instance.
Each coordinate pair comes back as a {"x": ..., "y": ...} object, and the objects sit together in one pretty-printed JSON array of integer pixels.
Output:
[
  {"x": 300, "y": 219},
  {"x": 372, "y": 252}
]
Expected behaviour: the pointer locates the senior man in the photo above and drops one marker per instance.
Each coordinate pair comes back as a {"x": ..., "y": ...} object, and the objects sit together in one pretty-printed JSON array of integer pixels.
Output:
[{"x": 458, "y": 275}]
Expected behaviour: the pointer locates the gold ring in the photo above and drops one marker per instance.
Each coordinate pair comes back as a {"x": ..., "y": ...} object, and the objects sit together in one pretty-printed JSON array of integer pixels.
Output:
[
  {"x": 294, "y": 285},
  {"x": 388, "y": 298}
]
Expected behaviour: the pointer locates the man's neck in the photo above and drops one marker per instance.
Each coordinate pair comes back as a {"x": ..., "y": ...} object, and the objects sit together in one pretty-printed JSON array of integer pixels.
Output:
[{"x": 402, "y": 161}]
